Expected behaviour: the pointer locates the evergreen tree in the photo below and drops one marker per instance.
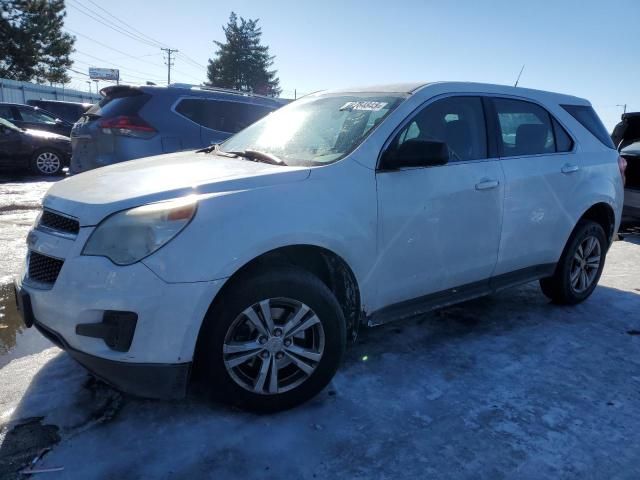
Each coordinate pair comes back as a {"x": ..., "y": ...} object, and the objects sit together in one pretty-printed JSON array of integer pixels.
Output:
[
  {"x": 241, "y": 62},
  {"x": 33, "y": 46}
]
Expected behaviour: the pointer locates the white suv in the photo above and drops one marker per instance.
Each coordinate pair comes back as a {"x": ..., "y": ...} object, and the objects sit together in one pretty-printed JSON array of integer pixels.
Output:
[{"x": 256, "y": 261}]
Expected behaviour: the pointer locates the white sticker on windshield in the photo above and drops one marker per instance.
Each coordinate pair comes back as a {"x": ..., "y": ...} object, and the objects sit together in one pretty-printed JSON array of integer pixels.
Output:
[{"x": 366, "y": 106}]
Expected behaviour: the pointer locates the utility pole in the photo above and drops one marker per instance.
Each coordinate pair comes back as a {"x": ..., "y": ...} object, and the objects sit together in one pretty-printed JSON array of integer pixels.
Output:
[
  {"x": 168, "y": 62},
  {"x": 624, "y": 107}
]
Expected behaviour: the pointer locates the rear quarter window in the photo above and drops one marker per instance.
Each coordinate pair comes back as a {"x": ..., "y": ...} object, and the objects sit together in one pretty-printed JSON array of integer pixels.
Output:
[{"x": 589, "y": 119}]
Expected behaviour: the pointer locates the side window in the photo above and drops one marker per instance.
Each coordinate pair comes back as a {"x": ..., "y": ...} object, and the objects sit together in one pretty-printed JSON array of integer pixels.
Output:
[
  {"x": 191, "y": 108},
  {"x": 564, "y": 143},
  {"x": 525, "y": 128},
  {"x": 219, "y": 115},
  {"x": 6, "y": 112},
  {"x": 456, "y": 121},
  {"x": 590, "y": 120},
  {"x": 29, "y": 115}
]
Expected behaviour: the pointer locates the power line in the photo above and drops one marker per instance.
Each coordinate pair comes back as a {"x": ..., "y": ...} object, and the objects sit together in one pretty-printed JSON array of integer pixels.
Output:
[
  {"x": 184, "y": 56},
  {"x": 190, "y": 60},
  {"x": 128, "y": 25},
  {"x": 147, "y": 76},
  {"x": 110, "y": 47},
  {"x": 104, "y": 21}
]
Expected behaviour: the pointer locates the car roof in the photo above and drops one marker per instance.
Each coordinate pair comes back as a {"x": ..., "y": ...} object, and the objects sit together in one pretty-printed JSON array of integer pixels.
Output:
[{"x": 462, "y": 87}]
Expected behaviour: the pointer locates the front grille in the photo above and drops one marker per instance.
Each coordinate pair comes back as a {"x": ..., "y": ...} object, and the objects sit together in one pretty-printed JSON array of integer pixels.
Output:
[
  {"x": 59, "y": 222},
  {"x": 43, "y": 269}
]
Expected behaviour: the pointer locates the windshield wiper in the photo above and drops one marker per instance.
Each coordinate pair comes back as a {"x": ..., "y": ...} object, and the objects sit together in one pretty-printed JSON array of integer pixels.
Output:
[{"x": 257, "y": 156}]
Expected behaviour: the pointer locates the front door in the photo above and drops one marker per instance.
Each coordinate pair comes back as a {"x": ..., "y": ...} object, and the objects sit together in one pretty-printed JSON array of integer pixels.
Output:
[{"x": 439, "y": 227}]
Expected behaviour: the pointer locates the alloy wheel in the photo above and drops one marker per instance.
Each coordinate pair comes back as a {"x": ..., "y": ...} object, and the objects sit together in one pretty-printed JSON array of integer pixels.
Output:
[
  {"x": 48, "y": 163},
  {"x": 585, "y": 264},
  {"x": 273, "y": 346}
]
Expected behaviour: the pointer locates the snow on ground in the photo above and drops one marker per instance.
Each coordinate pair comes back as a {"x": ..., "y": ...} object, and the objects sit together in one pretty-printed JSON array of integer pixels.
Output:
[
  {"x": 507, "y": 386},
  {"x": 19, "y": 206}
]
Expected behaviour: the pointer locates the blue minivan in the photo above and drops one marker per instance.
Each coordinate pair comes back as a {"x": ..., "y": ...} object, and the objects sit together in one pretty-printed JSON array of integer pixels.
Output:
[{"x": 140, "y": 121}]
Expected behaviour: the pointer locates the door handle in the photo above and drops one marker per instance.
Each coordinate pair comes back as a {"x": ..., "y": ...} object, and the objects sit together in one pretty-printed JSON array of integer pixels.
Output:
[
  {"x": 569, "y": 168},
  {"x": 486, "y": 184}
]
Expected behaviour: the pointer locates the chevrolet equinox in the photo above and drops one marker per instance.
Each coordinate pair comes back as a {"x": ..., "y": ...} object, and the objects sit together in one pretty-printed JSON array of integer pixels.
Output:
[{"x": 255, "y": 261}]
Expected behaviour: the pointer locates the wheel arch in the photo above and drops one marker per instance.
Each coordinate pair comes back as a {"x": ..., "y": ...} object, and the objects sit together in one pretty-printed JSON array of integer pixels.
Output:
[
  {"x": 602, "y": 213},
  {"x": 327, "y": 265}
]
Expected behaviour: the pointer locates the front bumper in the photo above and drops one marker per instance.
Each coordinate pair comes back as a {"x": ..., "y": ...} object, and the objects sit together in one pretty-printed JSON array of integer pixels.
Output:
[
  {"x": 156, "y": 362},
  {"x": 149, "y": 380}
]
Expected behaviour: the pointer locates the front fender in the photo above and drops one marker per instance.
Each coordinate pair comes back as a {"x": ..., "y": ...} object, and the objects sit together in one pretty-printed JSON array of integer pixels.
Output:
[{"x": 335, "y": 208}]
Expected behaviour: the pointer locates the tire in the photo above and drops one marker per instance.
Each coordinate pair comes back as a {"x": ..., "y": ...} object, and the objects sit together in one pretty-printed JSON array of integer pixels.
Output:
[
  {"x": 235, "y": 329},
  {"x": 47, "y": 162},
  {"x": 564, "y": 288}
]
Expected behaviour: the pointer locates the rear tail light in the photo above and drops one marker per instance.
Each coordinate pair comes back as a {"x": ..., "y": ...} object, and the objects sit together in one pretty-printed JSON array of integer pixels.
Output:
[
  {"x": 129, "y": 126},
  {"x": 622, "y": 165}
]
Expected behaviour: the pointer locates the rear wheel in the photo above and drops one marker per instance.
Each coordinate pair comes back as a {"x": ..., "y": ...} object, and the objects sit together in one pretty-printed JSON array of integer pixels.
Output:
[
  {"x": 274, "y": 340},
  {"x": 580, "y": 266},
  {"x": 47, "y": 162}
]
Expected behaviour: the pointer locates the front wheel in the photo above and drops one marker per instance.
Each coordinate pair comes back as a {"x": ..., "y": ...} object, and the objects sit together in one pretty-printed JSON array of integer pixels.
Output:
[
  {"x": 274, "y": 340},
  {"x": 580, "y": 266},
  {"x": 46, "y": 162}
]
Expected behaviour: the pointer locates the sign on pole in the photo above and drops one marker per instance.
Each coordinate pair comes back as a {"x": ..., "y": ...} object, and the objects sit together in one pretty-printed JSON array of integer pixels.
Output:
[{"x": 104, "y": 73}]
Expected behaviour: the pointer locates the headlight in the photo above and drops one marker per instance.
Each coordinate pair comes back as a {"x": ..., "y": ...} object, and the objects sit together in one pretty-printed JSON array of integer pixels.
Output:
[{"x": 128, "y": 236}]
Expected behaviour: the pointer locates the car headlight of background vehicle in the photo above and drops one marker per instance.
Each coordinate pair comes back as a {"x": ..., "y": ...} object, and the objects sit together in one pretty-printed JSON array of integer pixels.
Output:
[{"x": 129, "y": 236}]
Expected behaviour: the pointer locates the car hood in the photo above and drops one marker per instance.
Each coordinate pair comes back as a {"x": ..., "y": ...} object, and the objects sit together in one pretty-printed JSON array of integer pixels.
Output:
[
  {"x": 44, "y": 134},
  {"x": 93, "y": 195}
]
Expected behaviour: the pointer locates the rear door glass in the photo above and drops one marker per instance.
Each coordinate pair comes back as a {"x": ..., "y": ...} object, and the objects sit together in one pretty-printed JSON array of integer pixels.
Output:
[
  {"x": 525, "y": 128},
  {"x": 223, "y": 116}
]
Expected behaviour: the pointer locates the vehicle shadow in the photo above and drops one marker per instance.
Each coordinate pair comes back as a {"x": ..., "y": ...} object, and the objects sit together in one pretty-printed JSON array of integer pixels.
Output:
[
  {"x": 12, "y": 177},
  {"x": 503, "y": 384},
  {"x": 631, "y": 233}
]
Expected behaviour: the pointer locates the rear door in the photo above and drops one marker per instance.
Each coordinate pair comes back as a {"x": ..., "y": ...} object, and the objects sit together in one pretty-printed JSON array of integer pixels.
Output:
[
  {"x": 542, "y": 172},
  {"x": 439, "y": 226}
]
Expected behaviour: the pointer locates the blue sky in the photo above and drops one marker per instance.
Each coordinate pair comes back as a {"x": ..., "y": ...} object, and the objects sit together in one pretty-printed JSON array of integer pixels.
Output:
[{"x": 585, "y": 48}]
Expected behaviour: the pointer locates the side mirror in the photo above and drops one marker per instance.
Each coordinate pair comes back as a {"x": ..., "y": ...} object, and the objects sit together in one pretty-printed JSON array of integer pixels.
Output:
[{"x": 416, "y": 153}]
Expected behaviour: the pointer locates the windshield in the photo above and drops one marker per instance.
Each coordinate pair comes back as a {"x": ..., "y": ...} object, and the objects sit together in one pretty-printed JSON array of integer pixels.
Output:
[
  {"x": 316, "y": 130},
  {"x": 8, "y": 124}
]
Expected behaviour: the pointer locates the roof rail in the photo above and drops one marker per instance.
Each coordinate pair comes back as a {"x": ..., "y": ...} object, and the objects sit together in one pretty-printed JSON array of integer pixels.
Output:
[{"x": 222, "y": 90}]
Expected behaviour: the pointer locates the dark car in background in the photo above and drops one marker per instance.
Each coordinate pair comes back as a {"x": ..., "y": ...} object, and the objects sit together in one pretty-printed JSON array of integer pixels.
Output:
[
  {"x": 69, "y": 112},
  {"x": 26, "y": 116},
  {"x": 626, "y": 138},
  {"x": 133, "y": 122},
  {"x": 44, "y": 153}
]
